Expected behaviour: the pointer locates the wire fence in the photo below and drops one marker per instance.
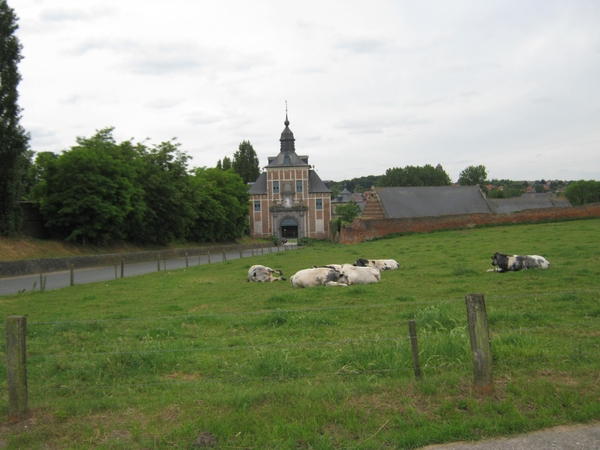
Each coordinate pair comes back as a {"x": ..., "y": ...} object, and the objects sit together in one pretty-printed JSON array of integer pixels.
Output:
[
  {"x": 576, "y": 350},
  {"x": 39, "y": 277}
]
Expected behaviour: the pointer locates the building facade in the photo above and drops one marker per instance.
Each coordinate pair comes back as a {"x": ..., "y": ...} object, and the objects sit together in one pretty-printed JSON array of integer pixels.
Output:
[{"x": 289, "y": 200}]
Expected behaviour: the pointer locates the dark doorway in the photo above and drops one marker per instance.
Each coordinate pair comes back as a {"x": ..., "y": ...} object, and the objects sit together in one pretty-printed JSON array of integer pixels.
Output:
[{"x": 289, "y": 228}]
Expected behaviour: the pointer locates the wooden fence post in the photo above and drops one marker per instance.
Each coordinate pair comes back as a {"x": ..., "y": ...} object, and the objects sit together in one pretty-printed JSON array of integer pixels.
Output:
[
  {"x": 16, "y": 367},
  {"x": 122, "y": 268},
  {"x": 72, "y": 276},
  {"x": 158, "y": 263},
  {"x": 412, "y": 330},
  {"x": 208, "y": 254},
  {"x": 480, "y": 344},
  {"x": 240, "y": 249},
  {"x": 224, "y": 256},
  {"x": 186, "y": 260}
]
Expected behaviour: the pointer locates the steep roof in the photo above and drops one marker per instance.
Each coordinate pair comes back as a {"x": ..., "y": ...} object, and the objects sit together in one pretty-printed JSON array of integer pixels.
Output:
[
  {"x": 260, "y": 185},
  {"x": 315, "y": 184},
  {"x": 428, "y": 201}
]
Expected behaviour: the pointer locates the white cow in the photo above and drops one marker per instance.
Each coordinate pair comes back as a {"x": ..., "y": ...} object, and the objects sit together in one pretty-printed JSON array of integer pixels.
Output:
[
  {"x": 263, "y": 274},
  {"x": 381, "y": 264},
  {"x": 319, "y": 276},
  {"x": 361, "y": 275},
  {"x": 511, "y": 263}
]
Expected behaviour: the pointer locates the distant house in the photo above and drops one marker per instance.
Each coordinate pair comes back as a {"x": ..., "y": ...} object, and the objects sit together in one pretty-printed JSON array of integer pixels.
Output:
[
  {"x": 346, "y": 197},
  {"x": 289, "y": 200}
]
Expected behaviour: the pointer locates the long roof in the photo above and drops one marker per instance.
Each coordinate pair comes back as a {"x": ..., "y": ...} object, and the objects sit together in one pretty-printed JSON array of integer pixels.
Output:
[
  {"x": 526, "y": 201},
  {"x": 428, "y": 201}
]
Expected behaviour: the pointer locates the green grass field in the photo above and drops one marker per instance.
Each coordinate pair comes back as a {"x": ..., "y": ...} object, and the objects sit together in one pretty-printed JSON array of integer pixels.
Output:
[{"x": 195, "y": 357}]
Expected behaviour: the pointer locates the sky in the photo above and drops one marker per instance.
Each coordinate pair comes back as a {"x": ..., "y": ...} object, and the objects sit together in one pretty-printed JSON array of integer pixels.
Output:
[{"x": 511, "y": 85}]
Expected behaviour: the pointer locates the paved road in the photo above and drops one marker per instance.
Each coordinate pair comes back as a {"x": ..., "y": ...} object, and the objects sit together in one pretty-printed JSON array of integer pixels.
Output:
[
  {"x": 58, "y": 280},
  {"x": 576, "y": 437}
]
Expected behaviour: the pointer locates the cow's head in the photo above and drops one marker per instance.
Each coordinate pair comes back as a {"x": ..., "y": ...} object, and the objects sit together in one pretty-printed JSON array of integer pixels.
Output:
[
  {"x": 336, "y": 276},
  {"x": 361, "y": 262},
  {"x": 498, "y": 259}
]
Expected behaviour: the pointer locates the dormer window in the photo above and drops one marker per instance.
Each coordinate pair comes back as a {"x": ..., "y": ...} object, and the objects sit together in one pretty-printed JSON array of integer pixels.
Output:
[{"x": 286, "y": 160}]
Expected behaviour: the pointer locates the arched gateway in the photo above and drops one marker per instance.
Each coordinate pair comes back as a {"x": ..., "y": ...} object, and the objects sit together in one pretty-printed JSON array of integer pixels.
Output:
[{"x": 289, "y": 228}]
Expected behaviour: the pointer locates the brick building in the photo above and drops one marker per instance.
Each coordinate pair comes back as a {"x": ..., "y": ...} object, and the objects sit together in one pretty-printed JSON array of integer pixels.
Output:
[{"x": 289, "y": 200}]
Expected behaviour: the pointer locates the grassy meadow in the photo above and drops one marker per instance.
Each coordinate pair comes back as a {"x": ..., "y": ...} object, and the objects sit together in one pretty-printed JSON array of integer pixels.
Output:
[{"x": 199, "y": 357}]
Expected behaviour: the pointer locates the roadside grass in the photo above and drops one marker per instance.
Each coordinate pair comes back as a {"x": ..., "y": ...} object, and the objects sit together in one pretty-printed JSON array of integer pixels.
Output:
[{"x": 165, "y": 359}]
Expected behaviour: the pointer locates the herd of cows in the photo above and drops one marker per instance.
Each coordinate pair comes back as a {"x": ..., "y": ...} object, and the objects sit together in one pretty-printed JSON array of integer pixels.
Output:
[
  {"x": 363, "y": 271},
  {"x": 367, "y": 271}
]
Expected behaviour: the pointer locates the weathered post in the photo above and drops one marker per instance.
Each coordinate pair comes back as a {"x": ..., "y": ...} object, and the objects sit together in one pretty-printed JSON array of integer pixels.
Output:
[
  {"x": 16, "y": 367},
  {"x": 122, "y": 268},
  {"x": 224, "y": 256},
  {"x": 72, "y": 276},
  {"x": 412, "y": 330},
  {"x": 480, "y": 344},
  {"x": 186, "y": 260},
  {"x": 240, "y": 250},
  {"x": 41, "y": 285},
  {"x": 158, "y": 263},
  {"x": 208, "y": 254}
]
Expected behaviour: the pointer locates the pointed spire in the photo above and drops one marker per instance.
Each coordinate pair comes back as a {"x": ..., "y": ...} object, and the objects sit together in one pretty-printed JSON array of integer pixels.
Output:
[
  {"x": 287, "y": 137},
  {"x": 287, "y": 122}
]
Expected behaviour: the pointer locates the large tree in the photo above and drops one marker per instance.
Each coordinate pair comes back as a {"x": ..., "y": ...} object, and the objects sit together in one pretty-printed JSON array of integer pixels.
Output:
[
  {"x": 14, "y": 141},
  {"x": 582, "y": 191},
  {"x": 88, "y": 193},
  {"x": 473, "y": 175},
  {"x": 245, "y": 162},
  {"x": 168, "y": 195},
  {"x": 415, "y": 176}
]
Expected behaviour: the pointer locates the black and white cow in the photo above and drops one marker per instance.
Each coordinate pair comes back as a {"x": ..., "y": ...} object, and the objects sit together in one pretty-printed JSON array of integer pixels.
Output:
[
  {"x": 381, "y": 264},
  {"x": 319, "y": 276},
  {"x": 262, "y": 274},
  {"x": 511, "y": 263}
]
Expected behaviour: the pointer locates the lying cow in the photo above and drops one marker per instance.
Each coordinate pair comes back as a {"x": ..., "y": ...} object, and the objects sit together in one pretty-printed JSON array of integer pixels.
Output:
[
  {"x": 357, "y": 274},
  {"x": 511, "y": 263},
  {"x": 319, "y": 276},
  {"x": 381, "y": 264},
  {"x": 262, "y": 274}
]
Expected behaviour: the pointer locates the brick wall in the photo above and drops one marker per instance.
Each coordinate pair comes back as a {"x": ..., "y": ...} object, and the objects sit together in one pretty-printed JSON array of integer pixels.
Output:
[{"x": 365, "y": 229}]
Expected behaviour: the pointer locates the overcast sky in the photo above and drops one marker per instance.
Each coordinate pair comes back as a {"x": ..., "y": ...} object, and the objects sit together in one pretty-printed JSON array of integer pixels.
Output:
[{"x": 370, "y": 85}]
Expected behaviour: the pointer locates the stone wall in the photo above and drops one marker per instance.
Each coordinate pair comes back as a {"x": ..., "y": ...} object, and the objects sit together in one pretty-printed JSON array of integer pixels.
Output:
[{"x": 366, "y": 229}]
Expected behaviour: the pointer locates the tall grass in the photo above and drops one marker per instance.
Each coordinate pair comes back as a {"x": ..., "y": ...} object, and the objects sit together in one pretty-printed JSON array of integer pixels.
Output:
[{"x": 177, "y": 358}]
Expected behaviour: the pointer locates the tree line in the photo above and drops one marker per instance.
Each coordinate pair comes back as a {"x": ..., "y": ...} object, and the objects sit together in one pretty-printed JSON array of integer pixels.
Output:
[{"x": 100, "y": 191}]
